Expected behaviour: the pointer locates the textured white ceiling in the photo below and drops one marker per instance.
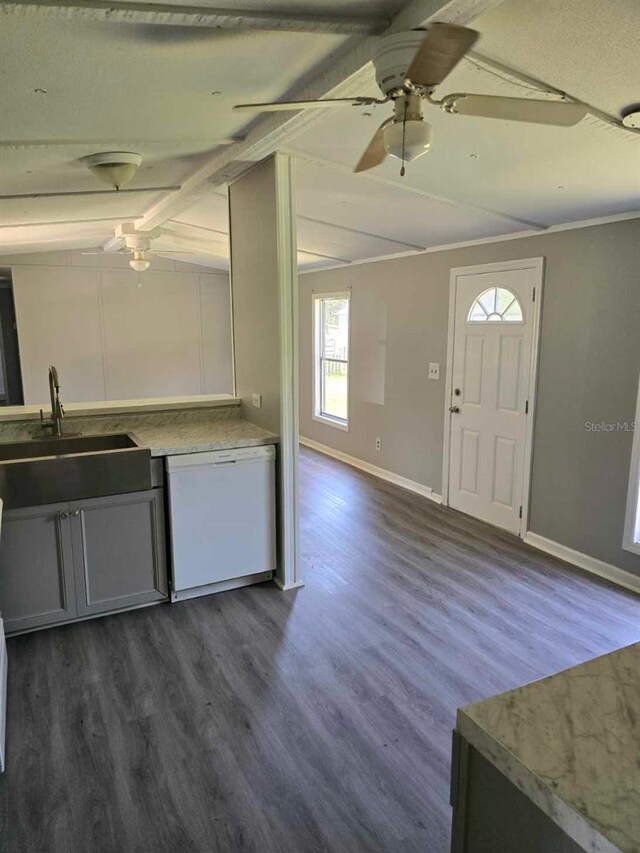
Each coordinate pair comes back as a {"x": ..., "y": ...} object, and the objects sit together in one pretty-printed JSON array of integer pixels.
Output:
[
  {"x": 149, "y": 89},
  {"x": 590, "y": 48}
]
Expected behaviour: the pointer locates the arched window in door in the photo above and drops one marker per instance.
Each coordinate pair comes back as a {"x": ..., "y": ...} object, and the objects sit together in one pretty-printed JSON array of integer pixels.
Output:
[{"x": 496, "y": 305}]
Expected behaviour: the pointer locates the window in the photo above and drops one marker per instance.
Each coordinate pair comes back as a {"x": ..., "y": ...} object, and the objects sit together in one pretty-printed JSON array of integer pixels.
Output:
[
  {"x": 631, "y": 540},
  {"x": 331, "y": 358},
  {"x": 496, "y": 305}
]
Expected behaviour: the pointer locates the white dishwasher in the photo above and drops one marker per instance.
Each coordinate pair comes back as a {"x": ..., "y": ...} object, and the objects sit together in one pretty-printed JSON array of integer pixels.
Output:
[{"x": 222, "y": 519}]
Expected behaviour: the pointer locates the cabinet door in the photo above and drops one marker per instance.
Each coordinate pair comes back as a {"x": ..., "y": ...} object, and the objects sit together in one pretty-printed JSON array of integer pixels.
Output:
[
  {"x": 36, "y": 567},
  {"x": 119, "y": 551}
]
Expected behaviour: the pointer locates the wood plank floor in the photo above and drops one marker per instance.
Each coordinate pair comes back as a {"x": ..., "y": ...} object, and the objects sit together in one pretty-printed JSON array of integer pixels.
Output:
[{"x": 318, "y": 720}]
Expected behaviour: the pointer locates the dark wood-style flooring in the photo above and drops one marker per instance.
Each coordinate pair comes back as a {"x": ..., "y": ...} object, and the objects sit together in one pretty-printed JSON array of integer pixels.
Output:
[{"x": 318, "y": 720}]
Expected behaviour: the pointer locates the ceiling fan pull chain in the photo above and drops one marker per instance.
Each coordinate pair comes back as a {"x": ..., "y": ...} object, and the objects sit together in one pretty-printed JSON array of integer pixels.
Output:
[{"x": 404, "y": 137}]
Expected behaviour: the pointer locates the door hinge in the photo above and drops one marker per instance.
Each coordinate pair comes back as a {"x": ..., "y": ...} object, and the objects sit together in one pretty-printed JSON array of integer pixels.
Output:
[
  {"x": 526, "y": 408},
  {"x": 533, "y": 298},
  {"x": 520, "y": 513}
]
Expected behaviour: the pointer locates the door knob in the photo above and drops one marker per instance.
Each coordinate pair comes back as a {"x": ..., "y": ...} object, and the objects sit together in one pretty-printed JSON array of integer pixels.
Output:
[{"x": 454, "y": 409}]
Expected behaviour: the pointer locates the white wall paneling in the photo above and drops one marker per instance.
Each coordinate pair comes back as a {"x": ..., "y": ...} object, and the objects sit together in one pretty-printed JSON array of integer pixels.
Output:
[
  {"x": 114, "y": 340},
  {"x": 59, "y": 322}
]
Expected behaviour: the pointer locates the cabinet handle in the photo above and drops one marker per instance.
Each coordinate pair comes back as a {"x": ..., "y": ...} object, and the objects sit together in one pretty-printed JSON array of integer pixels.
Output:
[
  {"x": 75, "y": 513},
  {"x": 63, "y": 514}
]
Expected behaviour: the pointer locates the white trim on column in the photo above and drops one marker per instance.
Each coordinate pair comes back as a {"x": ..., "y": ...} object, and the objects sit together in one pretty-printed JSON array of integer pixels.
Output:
[
  {"x": 526, "y": 263},
  {"x": 289, "y": 570},
  {"x": 618, "y": 576},
  {"x": 382, "y": 473},
  {"x": 631, "y": 536}
]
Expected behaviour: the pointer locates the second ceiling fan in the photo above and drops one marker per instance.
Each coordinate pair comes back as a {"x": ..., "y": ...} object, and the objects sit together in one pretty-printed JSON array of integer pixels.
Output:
[{"x": 408, "y": 67}]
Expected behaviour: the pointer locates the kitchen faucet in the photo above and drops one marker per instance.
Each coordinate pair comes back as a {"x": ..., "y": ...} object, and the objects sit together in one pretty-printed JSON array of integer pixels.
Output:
[{"x": 57, "y": 410}]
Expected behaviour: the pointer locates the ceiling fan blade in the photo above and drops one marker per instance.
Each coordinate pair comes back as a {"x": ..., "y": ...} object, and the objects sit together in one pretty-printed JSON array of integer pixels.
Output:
[
  {"x": 561, "y": 113},
  {"x": 307, "y": 105},
  {"x": 375, "y": 152},
  {"x": 443, "y": 47},
  {"x": 104, "y": 254}
]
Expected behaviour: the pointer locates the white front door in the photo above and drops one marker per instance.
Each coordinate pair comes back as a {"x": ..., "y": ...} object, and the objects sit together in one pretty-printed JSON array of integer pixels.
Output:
[{"x": 494, "y": 322}]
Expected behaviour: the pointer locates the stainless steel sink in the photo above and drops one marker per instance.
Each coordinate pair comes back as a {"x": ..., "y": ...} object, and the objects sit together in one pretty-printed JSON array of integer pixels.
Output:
[{"x": 54, "y": 470}]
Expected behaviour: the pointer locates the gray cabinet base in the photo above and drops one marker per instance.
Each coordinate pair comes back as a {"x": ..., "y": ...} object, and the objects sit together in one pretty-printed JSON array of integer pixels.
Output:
[
  {"x": 491, "y": 815},
  {"x": 64, "y": 562}
]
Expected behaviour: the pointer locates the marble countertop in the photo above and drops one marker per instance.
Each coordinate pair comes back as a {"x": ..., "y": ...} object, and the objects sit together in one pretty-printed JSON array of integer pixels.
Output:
[
  {"x": 174, "y": 438},
  {"x": 571, "y": 743}
]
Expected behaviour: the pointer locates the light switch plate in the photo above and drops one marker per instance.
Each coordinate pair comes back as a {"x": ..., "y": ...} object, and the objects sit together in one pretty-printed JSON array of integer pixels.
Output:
[
  {"x": 256, "y": 401},
  {"x": 434, "y": 370}
]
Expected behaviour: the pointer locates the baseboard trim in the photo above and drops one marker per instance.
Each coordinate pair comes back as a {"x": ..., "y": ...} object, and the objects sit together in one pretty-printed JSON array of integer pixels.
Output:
[
  {"x": 382, "y": 473},
  {"x": 286, "y": 587},
  {"x": 590, "y": 564}
]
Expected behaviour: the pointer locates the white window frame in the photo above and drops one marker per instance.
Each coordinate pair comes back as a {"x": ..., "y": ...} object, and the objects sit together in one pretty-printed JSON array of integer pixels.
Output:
[
  {"x": 631, "y": 540},
  {"x": 317, "y": 413}
]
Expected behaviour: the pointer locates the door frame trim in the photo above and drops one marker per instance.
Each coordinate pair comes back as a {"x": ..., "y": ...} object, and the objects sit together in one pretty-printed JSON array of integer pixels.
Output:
[{"x": 537, "y": 264}]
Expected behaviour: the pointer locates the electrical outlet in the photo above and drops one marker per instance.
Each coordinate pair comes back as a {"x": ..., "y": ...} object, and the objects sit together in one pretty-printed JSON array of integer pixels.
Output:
[
  {"x": 378, "y": 444},
  {"x": 434, "y": 370},
  {"x": 256, "y": 401}
]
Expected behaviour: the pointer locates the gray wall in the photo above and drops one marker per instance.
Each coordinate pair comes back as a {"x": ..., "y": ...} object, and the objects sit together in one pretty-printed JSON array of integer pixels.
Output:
[
  {"x": 589, "y": 363},
  {"x": 253, "y": 220}
]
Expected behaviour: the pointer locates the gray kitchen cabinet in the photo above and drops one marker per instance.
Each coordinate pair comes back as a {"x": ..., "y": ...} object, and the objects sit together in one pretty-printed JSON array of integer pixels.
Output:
[
  {"x": 491, "y": 815},
  {"x": 73, "y": 560},
  {"x": 37, "y": 585},
  {"x": 119, "y": 551}
]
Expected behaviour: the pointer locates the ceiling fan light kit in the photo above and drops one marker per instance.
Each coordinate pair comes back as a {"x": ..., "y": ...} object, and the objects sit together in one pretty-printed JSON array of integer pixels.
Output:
[
  {"x": 137, "y": 244},
  {"x": 141, "y": 260},
  {"x": 114, "y": 168},
  {"x": 408, "y": 136}
]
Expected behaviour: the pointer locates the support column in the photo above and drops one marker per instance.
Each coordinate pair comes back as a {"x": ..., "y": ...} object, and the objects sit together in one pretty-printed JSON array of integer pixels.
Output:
[{"x": 264, "y": 287}]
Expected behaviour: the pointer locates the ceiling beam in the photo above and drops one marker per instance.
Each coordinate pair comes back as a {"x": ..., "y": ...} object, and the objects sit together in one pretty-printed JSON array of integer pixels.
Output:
[
  {"x": 342, "y": 76},
  {"x": 67, "y": 221},
  {"x": 116, "y": 11},
  {"x": 450, "y": 11},
  {"x": 74, "y": 193},
  {"x": 122, "y": 144}
]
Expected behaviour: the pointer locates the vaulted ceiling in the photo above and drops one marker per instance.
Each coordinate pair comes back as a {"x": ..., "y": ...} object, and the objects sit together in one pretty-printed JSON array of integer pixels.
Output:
[{"x": 78, "y": 78}]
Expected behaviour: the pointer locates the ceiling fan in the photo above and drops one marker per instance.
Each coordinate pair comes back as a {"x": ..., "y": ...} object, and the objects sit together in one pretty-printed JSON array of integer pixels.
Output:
[
  {"x": 408, "y": 68},
  {"x": 138, "y": 245}
]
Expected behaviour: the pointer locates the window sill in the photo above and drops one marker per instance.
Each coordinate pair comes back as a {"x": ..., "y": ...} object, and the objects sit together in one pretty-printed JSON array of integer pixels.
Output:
[{"x": 323, "y": 419}]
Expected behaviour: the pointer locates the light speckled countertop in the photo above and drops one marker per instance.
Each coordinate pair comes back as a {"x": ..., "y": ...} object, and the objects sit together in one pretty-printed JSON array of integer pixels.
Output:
[
  {"x": 166, "y": 432},
  {"x": 571, "y": 743},
  {"x": 172, "y": 439}
]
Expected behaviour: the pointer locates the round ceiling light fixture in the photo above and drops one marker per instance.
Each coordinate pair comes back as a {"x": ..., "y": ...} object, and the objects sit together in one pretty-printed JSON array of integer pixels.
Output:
[
  {"x": 407, "y": 140},
  {"x": 140, "y": 261},
  {"x": 114, "y": 168},
  {"x": 632, "y": 119}
]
